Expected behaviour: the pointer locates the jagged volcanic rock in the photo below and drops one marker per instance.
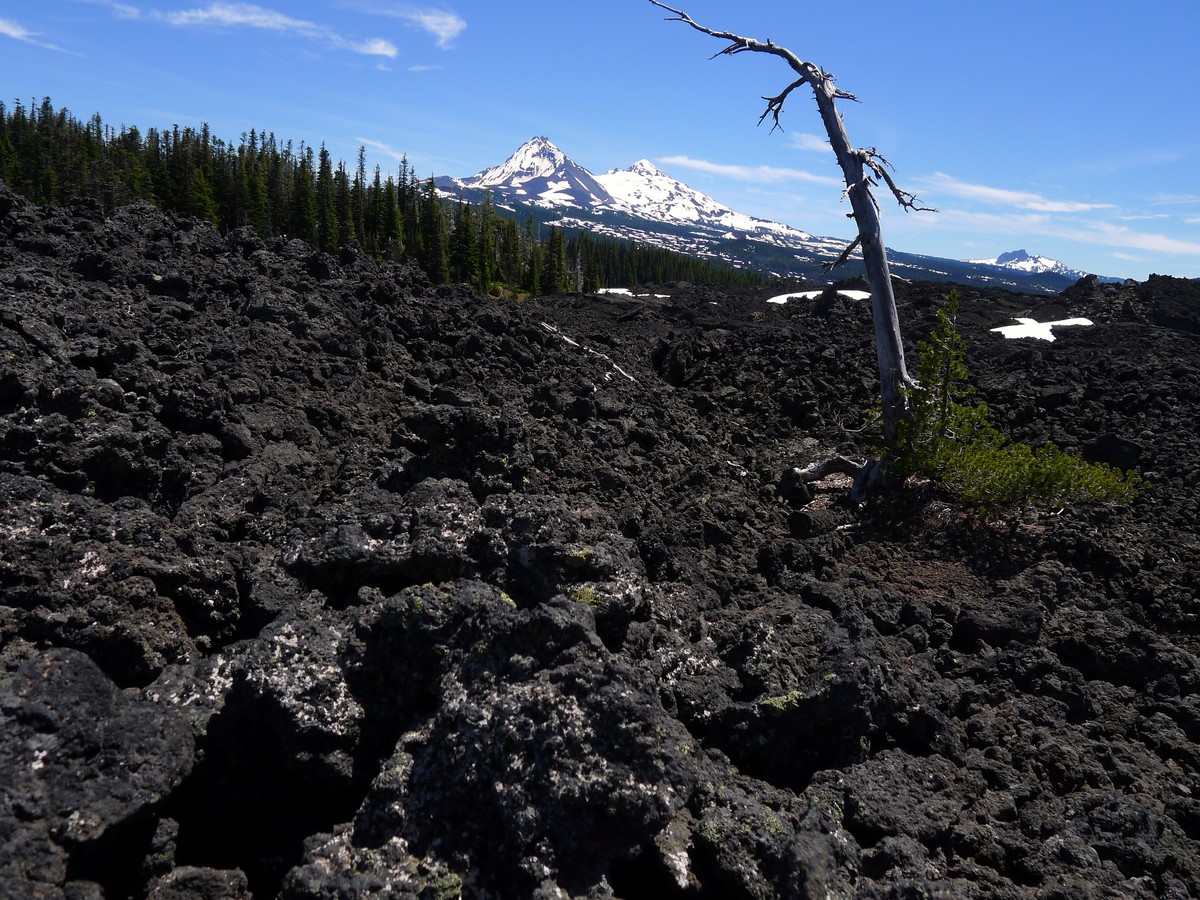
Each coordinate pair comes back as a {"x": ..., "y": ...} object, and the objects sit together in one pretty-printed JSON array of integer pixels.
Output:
[{"x": 321, "y": 582}]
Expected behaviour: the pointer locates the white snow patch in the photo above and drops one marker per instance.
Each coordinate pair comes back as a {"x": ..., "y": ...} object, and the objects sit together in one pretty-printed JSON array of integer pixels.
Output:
[
  {"x": 813, "y": 295},
  {"x": 1032, "y": 328},
  {"x": 607, "y": 375},
  {"x": 626, "y": 292}
]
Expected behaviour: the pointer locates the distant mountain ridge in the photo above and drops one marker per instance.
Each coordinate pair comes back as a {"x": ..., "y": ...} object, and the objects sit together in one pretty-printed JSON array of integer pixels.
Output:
[
  {"x": 1023, "y": 261},
  {"x": 644, "y": 204}
]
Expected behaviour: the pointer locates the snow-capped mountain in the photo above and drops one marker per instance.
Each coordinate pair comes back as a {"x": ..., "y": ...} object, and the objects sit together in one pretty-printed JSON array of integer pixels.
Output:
[
  {"x": 643, "y": 190},
  {"x": 542, "y": 174},
  {"x": 645, "y": 205},
  {"x": 1022, "y": 261}
]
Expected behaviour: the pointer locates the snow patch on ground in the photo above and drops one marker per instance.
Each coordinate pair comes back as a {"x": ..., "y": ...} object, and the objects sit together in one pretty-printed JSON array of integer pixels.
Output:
[
  {"x": 626, "y": 292},
  {"x": 1031, "y": 328},
  {"x": 813, "y": 295}
]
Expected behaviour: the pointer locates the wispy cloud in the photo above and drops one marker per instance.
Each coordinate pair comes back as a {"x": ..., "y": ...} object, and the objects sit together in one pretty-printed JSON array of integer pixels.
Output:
[
  {"x": 1142, "y": 217},
  {"x": 947, "y": 184},
  {"x": 1192, "y": 221},
  {"x": 810, "y": 142},
  {"x": 1175, "y": 199},
  {"x": 1130, "y": 159},
  {"x": 374, "y": 47},
  {"x": 381, "y": 147},
  {"x": 1102, "y": 234},
  {"x": 759, "y": 174},
  {"x": 120, "y": 10},
  {"x": 249, "y": 15},
  {"x": 1111, "y": 235},
  {"x": 443, "y": 24},
  {"x": 10, "y": 29},
  {"x": 423, "y": 68}
]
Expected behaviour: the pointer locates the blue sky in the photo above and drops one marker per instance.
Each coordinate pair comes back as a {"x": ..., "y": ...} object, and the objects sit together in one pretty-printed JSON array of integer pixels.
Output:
[{"x": 1068, "y": 129}]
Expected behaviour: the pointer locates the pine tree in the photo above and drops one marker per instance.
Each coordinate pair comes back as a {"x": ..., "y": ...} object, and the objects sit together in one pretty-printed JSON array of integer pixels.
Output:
[
  {"x": 464, "y": 252},
  {"x": 391, "y": 227},
  {"x": 434, "y": 236},
  {"x": 327, "y": 225},
  {"x": 254, "y": 186},
  {"x": 343, "y": 206},
  {"x": 555, "y": 274},
  {"x": 410, "y": 212},
  {"x": 358, "y": 199},
  {"x": 305, "y": 224},
  {"x": 281, "y": 178},
  {"x": 487, "y": 250},
  {"x": 510, "y": 253}
]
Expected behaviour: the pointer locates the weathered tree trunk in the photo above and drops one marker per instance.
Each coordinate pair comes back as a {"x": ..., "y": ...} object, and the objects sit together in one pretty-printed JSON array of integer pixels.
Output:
[{"x": 860, "y": 168}]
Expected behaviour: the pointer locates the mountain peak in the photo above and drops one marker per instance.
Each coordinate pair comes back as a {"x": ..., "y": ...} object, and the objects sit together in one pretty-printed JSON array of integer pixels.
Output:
[
  {"x": 539, "y": 144},
  {"x": 645, "y": 168},
  {"x": 541, "y": 172},
  {"x": 1024, "y": 261}
]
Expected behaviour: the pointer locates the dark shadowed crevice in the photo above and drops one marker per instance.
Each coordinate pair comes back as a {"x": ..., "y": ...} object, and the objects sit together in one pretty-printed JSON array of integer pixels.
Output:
[
  {"x": 116, "y": 860},
  {"x": 253, "y": 800},
  {"x": 645, "y": 877}
]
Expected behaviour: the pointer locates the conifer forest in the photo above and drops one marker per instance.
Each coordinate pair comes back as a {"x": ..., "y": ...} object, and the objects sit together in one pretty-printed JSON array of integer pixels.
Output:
[{"x": 283, "y": 189}]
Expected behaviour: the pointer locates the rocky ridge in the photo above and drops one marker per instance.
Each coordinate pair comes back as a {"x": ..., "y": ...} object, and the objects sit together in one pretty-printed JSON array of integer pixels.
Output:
[{"x": 320, "y": 582}]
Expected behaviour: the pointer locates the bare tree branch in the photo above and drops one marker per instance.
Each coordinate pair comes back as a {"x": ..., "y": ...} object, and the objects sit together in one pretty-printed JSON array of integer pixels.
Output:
[
  {"x": 877, "y": 163},
  {"x": 829, "y": 267},
  {"x": 775, "y": 104}
]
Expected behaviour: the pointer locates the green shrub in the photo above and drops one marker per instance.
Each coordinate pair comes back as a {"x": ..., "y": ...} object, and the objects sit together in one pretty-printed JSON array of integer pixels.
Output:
[{"x": 947, "y": 438}]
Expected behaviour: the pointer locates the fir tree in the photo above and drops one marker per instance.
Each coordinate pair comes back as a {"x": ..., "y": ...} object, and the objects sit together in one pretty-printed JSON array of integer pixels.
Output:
[
  {"x": 304, "y": 206},
  {"x": 434, "y": 236},
  {"x": 464, "y": 256},
  {"x": 327, "y": 227},
  {"x": 487, "y": 251}
]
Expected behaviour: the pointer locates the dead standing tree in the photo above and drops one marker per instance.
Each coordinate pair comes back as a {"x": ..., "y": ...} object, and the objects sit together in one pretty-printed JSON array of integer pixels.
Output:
[{"x": 862, "y": 169}]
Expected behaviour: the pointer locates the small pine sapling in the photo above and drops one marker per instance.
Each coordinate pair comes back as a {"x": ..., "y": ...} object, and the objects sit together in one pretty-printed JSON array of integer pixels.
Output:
[{"x": 948, "y": 440}]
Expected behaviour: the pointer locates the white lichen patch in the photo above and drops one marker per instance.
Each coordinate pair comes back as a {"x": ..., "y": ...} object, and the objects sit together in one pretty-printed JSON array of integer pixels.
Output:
[{"x": 311, "y": 689}]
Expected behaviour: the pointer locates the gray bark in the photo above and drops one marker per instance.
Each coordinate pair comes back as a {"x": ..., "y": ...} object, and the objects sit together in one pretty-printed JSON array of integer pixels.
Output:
[{"x": 860, "y": 168}]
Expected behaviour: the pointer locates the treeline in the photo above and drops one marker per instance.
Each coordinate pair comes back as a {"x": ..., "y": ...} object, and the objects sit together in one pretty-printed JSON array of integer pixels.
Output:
[{"x": 278, "y": 188}]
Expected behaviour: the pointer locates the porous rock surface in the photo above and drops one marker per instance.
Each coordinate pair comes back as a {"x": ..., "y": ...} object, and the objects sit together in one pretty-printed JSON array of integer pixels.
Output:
[{"x": 318, "y": 582}]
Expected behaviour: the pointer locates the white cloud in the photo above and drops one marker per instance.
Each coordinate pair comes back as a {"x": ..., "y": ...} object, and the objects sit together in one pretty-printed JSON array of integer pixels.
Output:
[
  {"x": 242, "y": 14},
  {"x": 748, "y": 173},
  {"x": 811, "y": 142},
  {"x": 373, "y": 47},
  {"x": 443, "y": 24},
  {"x": 249, "y": 15},
  {"x": 1118, "y": 236},
  {"x": 120, "y": 10},
  {"x": 15, "y": 31},
  {"x": 1101, "y": 234},
  {"x": 385, "y": 149},
  {"x": 9, "y": 28},
  {"x": 1174, "y": 199},
  {"x": 1192, "y": 221},
  {"x": 947, "y": 184}
]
